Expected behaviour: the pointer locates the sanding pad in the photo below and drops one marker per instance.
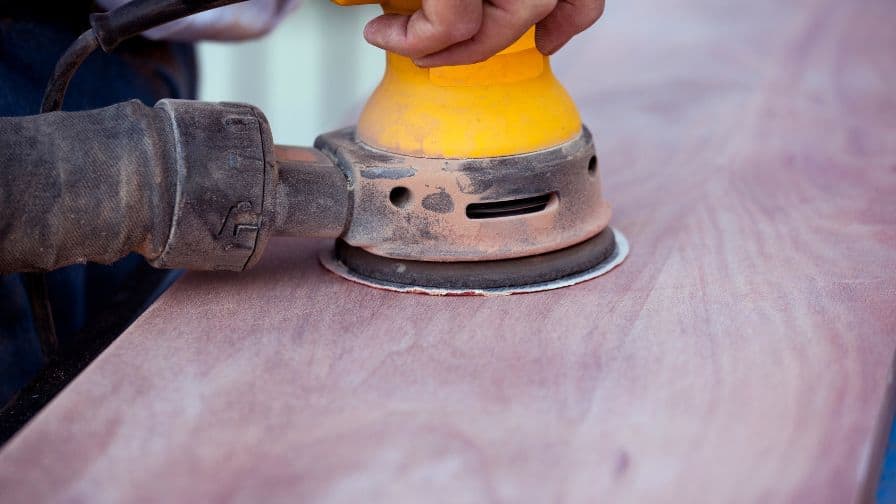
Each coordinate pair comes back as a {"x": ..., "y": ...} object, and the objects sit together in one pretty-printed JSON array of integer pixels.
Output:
[{"x": 552, "y": 270}]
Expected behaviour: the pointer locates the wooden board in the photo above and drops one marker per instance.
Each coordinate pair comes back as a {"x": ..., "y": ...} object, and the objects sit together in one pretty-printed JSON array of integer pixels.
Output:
[{"x": 743, "y": 353}]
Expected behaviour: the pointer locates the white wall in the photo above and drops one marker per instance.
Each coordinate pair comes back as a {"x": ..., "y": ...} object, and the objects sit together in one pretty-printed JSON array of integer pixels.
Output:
[{"x": 311, "y": 75}]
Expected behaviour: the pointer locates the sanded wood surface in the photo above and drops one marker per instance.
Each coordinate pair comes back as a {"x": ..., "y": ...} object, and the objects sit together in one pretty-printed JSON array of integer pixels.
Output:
[{"x": 743, "y": 353}]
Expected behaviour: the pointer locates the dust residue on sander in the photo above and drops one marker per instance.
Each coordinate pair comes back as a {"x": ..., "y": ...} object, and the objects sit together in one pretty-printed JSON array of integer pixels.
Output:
[{"x": 471, "y": 180}]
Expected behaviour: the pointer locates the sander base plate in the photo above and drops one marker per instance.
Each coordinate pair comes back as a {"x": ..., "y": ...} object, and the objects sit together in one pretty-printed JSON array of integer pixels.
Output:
[{"x": 587, "y": 260}]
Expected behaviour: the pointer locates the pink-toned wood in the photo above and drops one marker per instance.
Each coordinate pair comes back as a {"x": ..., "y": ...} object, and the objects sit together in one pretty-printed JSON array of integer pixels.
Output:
[{"x": 743, "y": 353}]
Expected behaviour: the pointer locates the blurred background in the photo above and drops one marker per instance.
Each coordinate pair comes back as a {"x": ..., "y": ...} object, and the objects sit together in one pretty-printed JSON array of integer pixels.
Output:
[{"x": 312, "y": 74}]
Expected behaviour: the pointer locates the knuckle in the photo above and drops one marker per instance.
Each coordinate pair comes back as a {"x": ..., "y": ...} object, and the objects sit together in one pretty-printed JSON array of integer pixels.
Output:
[
  {"x": 463, "y": 30},
  {"x": 594, "y": 12},
  {"x": 582, "y": 17},
  {"x": 586, "y": 20},
  {"x": 541, "y": 8}
]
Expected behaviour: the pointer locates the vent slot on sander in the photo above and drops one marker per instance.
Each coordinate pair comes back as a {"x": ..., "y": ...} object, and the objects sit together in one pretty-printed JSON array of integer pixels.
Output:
[{"x": 508, "y": 208}]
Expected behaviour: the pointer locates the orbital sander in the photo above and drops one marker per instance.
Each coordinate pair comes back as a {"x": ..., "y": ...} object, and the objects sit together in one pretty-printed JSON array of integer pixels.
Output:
[{"x": 471, "y": 179}]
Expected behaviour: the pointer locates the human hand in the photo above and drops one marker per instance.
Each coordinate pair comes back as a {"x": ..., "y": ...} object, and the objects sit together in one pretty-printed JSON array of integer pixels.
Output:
[{"x": 458, "y": 32}]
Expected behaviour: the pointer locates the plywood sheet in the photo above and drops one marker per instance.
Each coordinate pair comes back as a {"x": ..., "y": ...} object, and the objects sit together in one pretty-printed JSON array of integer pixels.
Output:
[{"x": 743, "y": 353}]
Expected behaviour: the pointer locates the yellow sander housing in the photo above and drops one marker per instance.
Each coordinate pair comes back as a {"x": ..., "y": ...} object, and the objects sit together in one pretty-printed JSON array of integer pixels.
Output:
[
  {"x": 510, "y": 104},
  {"x": 471, "y": 179}
]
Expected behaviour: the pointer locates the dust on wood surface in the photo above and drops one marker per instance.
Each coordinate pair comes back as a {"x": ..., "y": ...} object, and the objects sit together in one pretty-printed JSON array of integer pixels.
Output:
[{"x": 743, "y": 353}]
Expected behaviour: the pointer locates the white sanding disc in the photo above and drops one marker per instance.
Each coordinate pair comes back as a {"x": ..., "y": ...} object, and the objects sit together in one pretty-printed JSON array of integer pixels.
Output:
[{"x": 619, "y": 254}]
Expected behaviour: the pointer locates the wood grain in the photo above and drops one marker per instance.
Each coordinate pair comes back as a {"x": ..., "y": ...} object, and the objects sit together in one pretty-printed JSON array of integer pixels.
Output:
[{"x": 743, "y": 353}]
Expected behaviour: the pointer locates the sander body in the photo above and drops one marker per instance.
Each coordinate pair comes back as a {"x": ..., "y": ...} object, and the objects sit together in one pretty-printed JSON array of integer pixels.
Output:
[{"x": 471, "y": 179}]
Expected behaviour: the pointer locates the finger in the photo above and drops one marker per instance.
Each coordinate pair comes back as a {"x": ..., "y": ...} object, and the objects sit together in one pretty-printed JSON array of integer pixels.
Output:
[
  {"x": 502, "y": 24},
  {"x": 437, "y": 25},
  {"x": 570, "y": 18}
]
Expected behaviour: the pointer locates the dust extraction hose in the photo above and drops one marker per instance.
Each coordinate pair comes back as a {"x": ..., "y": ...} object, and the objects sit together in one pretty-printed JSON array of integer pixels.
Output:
[
  {"x": 83, "y": 186},
  {"x": 186, "y": 184}
]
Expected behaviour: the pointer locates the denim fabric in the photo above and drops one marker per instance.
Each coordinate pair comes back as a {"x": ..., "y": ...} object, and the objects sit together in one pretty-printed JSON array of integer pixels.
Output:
[{"x": 886, "y": 489}]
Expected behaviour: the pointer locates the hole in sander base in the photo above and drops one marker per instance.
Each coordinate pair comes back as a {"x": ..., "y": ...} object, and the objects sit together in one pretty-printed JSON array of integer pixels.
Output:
[{"x": 400, "y": 197}]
